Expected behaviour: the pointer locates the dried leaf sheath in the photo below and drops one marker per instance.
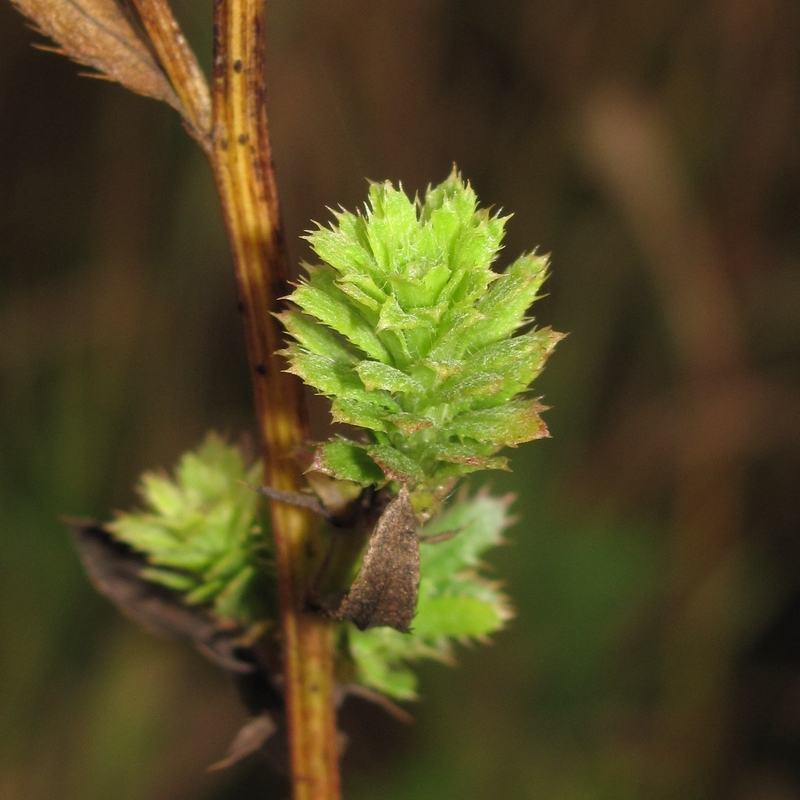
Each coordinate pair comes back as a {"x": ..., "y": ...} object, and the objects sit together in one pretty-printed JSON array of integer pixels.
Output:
[
  {"x": 385, "y": 592},
  {"x": 116, "y": 571},
  {"x": 104, "y": 35}
]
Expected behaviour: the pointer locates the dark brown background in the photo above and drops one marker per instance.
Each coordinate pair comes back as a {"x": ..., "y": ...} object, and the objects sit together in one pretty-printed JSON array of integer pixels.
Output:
[{"x": 653, "y": 148}]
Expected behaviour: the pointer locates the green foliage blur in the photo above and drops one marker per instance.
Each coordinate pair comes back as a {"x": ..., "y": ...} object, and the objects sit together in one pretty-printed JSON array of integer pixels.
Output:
[{"x": 652, "y": 148}]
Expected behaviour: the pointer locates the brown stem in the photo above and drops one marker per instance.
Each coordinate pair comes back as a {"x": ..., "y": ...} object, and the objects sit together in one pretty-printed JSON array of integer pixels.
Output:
[
  {"x": 180, "y": 64},
  {"x": 242, "y": 164}
]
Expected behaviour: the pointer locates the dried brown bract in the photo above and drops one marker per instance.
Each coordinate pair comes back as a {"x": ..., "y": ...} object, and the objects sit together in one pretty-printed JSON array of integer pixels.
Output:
[
  {"x": 107, "y": 36},
  {"x": 252, "y": 737},
  {"x": 114, "y": 569},
  {"x": 385, "y": 592}
]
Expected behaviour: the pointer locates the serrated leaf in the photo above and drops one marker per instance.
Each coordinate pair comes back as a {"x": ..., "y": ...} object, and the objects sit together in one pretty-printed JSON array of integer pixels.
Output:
[
  {"x": 522, "y": 357},
  {"x": 478, "y": 244},
  {"x": 362, "y": 414},
  {"x": 234, "y": 595},
  {"x": 365, "y": 283},
  {"x": 356, "y": 293},
  {"x": 382, "y": 668},
  {"x": 327, "y": 376},
  {"x": 455, "y": 334},
  {"x": 347, "y": 461},
  {"x": 142, "y": 533},
  {"x": 419, "y": 291},
  {"x": 459, "y": 200},
  {"x": 509, "y": 298},
  {"x": 104, "y": 35},
  {"x": 504, "y": 426},
  {"x": 316, "y": 338},
  {"x": 183, "y": 555},
  {"x": 205, "y": 592},
  {"x": 391, "y": 226},
  {"x": 375, "y": 375},
  {"x": 518, "y": 361},
  {"x": 444, "y": 368},
  {"x": 480, "y": 521},
  {"x": 467, "y": 454},
  {"x": 396, "y": 466},
  {"x": 393, "y": 318},
  {"x": 345, "y": 248},
  {"x": 468, "y": 384},
  {"x": 456, "y": 617},
  {"x": 331, "y": 306},
  {"x": 409, "y": 423}
]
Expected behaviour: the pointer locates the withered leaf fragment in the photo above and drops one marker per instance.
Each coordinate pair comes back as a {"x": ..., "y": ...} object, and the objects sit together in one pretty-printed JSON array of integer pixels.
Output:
[
  {"x": 105, "y": 35},
  {"x": 251, "y": 737},
  {"x": 114, "y": 569},
  {"x": 385, "y": 592}
]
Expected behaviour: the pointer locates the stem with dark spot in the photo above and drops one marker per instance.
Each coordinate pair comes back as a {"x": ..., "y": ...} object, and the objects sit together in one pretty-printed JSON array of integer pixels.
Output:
[{"x": 242, "y": 163}]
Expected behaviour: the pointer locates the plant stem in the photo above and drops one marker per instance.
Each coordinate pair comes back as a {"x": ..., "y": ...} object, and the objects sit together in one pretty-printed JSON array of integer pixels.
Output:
[
  {"x": 180, "y": 64},
  {"x": 242, "y": 163}
]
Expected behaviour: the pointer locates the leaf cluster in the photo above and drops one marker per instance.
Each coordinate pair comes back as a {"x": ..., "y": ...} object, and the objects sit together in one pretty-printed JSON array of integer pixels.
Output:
[
  {"x": 411, "y": 333},
  {"x": 201, "y": 533}
]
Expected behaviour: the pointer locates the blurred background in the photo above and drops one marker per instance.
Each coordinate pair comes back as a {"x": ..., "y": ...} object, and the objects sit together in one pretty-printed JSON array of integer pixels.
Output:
[{"x": 653, "y": 149}]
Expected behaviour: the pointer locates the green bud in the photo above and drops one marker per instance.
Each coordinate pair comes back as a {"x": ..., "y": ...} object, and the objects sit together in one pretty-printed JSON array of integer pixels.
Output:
[{"x": 417, "y": 340}]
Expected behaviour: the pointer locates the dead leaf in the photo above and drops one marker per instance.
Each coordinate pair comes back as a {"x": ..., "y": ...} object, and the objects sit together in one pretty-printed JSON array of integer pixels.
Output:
[
  {"x": 114, "y": 569},
  {"x": 107, "y": 36},
  {"x": 250, "y": 738},
  {"x": 385, "y": 592}
]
